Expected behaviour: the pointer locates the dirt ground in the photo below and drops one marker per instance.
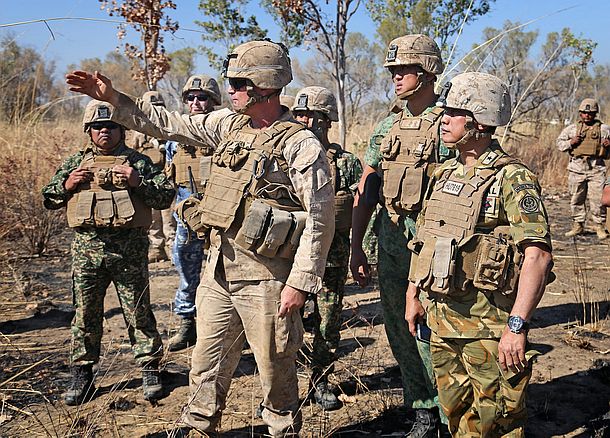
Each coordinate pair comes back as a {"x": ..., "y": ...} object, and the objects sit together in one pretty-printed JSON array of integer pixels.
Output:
[{"x": 568, "y": 397}]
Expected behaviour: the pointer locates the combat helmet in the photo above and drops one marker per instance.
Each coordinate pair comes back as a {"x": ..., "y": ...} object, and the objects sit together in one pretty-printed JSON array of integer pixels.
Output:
[
  {"x": 589, "y": 105},
  {"x": 154, "y": 98},
  {"x": 265, "y": 63},
  {"x": 96, "y": 111},
  {"x": 415, "y": 49},
  {"x": 317, "y": 99},
  {"x": 203, "y": 83},
  {"x": 484, "y": 95}
]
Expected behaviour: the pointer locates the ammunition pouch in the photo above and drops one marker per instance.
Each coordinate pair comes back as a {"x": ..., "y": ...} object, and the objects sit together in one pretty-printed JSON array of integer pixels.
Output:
[
  {"x": 270, "y": 231},
  {"x": 403, "y": 185},
  {"x": 189, "y": 214},
  {"x": 344, "y": 202}
]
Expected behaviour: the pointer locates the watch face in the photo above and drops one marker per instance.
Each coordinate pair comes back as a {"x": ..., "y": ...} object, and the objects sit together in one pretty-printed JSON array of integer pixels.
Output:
[{"x": 515, "y": 324}]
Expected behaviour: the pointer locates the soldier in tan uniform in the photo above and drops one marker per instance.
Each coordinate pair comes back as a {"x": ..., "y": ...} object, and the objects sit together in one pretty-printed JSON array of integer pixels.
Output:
[
  {"x": 188, "y": 167},
  {"x": 483, "y": 255},
  {"x": 269, "y": 203},
  {"x": 588, "y": 143},
  {"x": 163, "y": 227}
]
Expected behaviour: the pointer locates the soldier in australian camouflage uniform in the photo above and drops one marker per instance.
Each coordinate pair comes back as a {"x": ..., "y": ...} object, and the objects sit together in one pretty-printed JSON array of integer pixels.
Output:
[
  {"x": 403, "y": 144},
  {"x": 316, "y": 107},
  {"x": 483, "y": 222},
  {"x": 588, "y": 143},
  {"x": 109, "y": 190}
]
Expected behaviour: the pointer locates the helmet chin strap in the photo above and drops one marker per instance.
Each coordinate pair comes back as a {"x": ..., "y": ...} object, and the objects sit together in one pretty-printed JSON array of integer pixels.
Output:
[
  {"x": 471, "y": 132},
  {"x": 255, "y": 97},
  {"x": 317, "y": 128},
  {"x": 420, "y": 83}
]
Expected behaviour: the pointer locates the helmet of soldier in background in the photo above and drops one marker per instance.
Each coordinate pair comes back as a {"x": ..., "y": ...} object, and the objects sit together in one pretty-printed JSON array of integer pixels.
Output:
[
  {"x": 415, "y": 49},
  {"x": 97, "y": 111},
  {"x": 482, "y": 94},
  {"x": 203, "y": 83},
  {"x": 286, "y": 100},
  {"x": 154, "y": 98},
  {"x": 318, "y": 99},
  {"x": 589, "y": 105},
  {"x": 265, "y": 63}
]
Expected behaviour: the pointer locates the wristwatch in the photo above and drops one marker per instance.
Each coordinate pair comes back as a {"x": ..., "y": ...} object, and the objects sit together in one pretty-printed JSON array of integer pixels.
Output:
[{"x": 517, "y": 325}]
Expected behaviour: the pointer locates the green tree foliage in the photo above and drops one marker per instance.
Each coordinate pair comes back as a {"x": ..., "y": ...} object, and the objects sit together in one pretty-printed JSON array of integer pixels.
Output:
[
  {"x": 439, "y": 19},
  {"x": 226, "y": 27},
  {"x": 25, "y": 80},
  {"x": 542, "y": 87}
]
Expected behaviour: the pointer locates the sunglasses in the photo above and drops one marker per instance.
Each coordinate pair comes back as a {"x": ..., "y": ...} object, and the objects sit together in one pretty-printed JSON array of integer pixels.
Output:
[
  {"x": 238, "y": 84},
  {"x": 199, "y": 97},
  {"x": 98, "y": 126}
]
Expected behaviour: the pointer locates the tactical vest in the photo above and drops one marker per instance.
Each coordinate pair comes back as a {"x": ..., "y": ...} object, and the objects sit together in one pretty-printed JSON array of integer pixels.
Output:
[
  {"x": 197, "y": 158},
  {"x": 590, "y": 146},
  {"x": 410, "y": 153},
  {"x": 151, "y": 147},
  {"x": 344, "y": 198},
  {"x": 454, "y": 256},
  {"x": 106, "y": 200}
]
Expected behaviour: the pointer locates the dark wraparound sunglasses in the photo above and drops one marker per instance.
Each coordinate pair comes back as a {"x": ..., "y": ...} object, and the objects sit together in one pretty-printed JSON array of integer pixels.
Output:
[
  {"x": 98, "y": 126},
  {"x": 199, "y": 97}
]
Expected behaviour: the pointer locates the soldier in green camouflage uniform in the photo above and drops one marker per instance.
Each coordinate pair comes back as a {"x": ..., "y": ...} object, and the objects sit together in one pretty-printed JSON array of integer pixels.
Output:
[
  {"x": 109, "y": 246},
  {"x": 483, "y": 222},
  {"x": 414, "y": 61},
  {"x": 316, "y": 107}
]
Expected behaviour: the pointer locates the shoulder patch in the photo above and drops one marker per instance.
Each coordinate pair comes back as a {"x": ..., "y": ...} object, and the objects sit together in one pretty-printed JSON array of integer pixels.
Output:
[
  {"x": 525, "y": 186},
  {"x": 529, "y": 204}
]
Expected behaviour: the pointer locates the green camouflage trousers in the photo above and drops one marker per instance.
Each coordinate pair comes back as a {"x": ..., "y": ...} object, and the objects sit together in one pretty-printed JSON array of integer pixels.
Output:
[
  {"x": 477, "y": 399},
  {"x": 413, "y": 357},
  {"x": 328, "y": 304},
  {"x": 120, "y": 256}
]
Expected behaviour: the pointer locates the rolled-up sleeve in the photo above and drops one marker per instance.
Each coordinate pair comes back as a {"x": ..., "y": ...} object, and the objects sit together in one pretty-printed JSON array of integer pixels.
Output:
[{"x": 310, "y": 175}]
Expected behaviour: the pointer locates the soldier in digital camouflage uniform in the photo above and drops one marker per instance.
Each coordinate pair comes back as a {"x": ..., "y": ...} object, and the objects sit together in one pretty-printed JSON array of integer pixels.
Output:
[
  {"x": 588, "y": 143},
  {"x": 402, "y": 152},
  {"x": 109, "y": 190},
  {"x": 163, "y": 227},
  {"x": 269, "y": 202},
  {"x": 316, "y": 107},
  {"x": 483, "y": 222},
  {"x": 200, "y": 93}
]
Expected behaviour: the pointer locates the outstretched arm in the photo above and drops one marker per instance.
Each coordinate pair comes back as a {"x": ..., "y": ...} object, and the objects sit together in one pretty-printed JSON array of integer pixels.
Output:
[{"x": 95, "y": 85}]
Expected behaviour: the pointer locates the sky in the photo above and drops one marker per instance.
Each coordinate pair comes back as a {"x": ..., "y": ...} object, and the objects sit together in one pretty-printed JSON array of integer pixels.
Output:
[{"x": 73, "y": 40}]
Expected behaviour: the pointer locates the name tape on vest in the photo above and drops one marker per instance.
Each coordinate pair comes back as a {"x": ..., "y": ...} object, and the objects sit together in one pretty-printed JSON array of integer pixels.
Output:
[{"x": 453, "y": 187}]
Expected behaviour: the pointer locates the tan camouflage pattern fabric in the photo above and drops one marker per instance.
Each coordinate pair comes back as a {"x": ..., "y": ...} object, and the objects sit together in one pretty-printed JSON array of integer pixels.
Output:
[
  {"x": 515, "y": 200},
  {"x": 479, "y": 400}
]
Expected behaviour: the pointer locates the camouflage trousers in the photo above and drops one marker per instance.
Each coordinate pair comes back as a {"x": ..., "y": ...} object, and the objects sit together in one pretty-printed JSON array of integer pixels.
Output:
[
  {"x": 120, "y": 256},
  {"x": 419, "y": 390},
  {"x": 474, "y": 394},
  {"x": 235, "y": 312},
  {"x": 162, "y": 230},
  {"x": 588, "y": 184},
  {"x": 328, "y": 305}
]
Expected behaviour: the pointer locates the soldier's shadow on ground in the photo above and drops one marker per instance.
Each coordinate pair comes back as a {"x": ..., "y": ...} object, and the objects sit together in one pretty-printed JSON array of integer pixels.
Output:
[
  {"x": 569, "y": 313},
  {"x": 52, "y": 318},
  {"x": 567, "y": 403}
]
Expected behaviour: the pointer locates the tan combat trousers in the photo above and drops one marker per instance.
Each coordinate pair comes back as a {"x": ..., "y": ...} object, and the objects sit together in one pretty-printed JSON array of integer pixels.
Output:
[
  {"x": 162, "y": 230},
  {"x": 234, "y": 312},
  {"x": 477, "y": 398},
  {"x": 587, "y": 182}
]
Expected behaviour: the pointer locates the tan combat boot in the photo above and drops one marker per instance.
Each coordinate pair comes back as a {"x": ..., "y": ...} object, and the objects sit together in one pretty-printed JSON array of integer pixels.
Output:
[
  {"x": 157, "y": 255},
  {"x": 601, "y": 232},
  {"x": 577, "y": 228}
]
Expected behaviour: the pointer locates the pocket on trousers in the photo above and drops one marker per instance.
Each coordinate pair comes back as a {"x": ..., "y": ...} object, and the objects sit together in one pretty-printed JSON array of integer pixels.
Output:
[{"x": 288, "y": 334}]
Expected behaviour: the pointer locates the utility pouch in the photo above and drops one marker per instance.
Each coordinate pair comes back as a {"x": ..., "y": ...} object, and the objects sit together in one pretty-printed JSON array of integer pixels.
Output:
[
  {"x": 344, "y": 202},
  {"x": 124, "y": 206},
  {"x": 255, "y": 222},
  {"x": 288, "y": 249},
  {"x": 443, "y": 264},
  {"x": 84, "y": 208},
  {"x": 412, "y": 188},
  {"x": 389, "y": 147},
  {"x": 104, "y": 209},
  {"x": 277, "y": 232},
  {"x": 492, "y": 263},
  {"x": 189, "y": 214}
]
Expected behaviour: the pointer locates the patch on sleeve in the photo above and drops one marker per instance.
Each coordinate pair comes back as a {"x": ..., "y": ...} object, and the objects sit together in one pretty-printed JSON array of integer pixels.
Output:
[
  {"x": 525, "y": 186},
  {"x": 529, "y": 204}
]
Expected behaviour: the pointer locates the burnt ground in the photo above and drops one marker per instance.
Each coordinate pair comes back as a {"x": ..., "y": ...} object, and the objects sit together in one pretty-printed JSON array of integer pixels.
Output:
[{"x": 569, "y": 393}]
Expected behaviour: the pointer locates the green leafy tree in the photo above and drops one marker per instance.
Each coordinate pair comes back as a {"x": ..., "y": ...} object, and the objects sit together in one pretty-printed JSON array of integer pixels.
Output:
[{"x": 225, "y": 28}]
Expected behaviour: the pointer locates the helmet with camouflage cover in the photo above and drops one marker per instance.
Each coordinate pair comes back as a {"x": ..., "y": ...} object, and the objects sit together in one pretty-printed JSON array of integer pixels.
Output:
[
  {"x": 154, "y": 98},
  {"x": 265, "y": 63},
  {"x": 484, "y": 95},
  {"x": 589, "y": 105},
  {"x": 317, "y": 99},
  {"x": 96, "y": 111},
  {"x": 203, "y": 83},
  {"x": 415, "y": 49}
]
